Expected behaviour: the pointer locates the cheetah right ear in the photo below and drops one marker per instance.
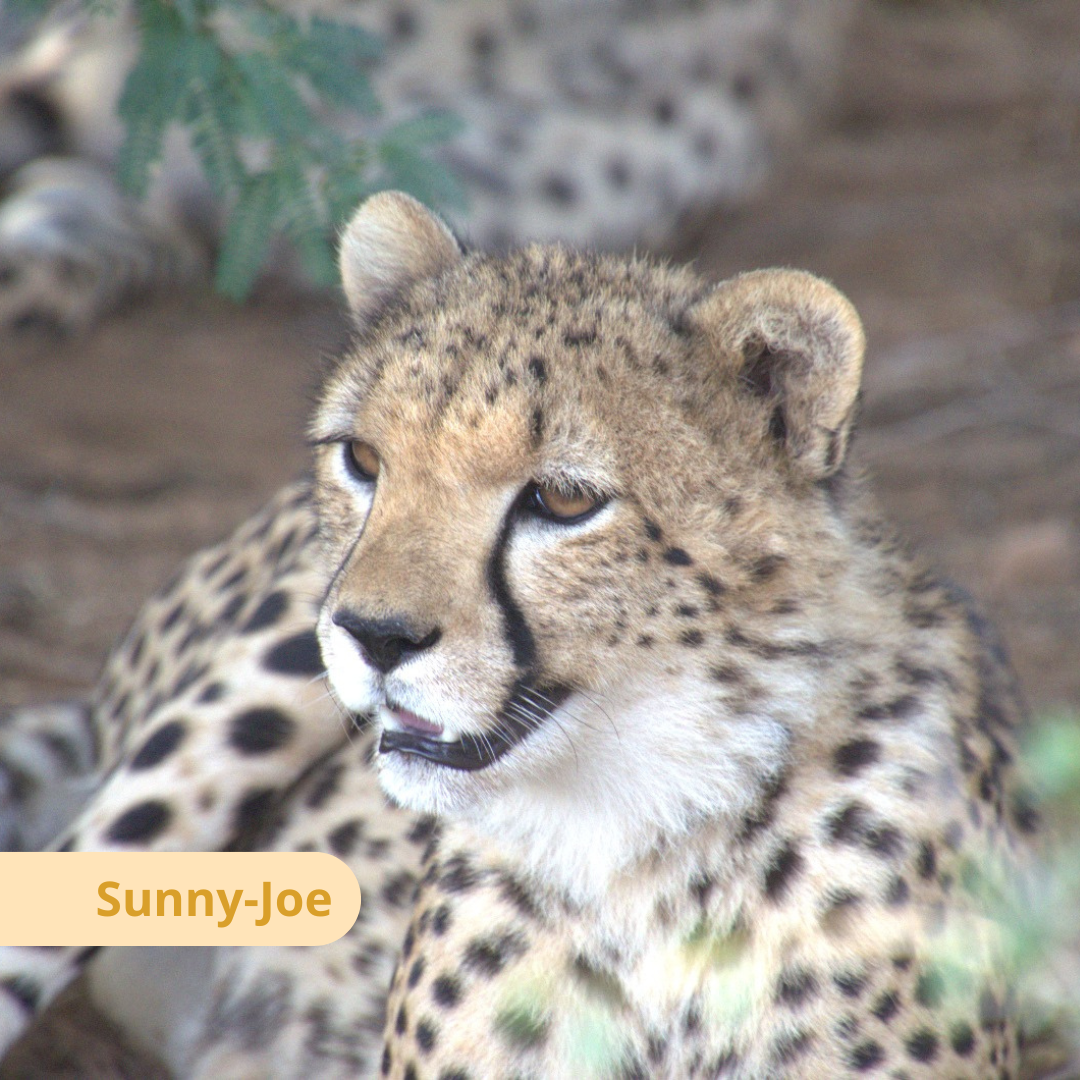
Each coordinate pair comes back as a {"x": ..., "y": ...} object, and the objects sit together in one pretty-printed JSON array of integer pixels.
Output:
[
  {"x": 391, "y": 243},
  {"x": 795, "y": 344}
]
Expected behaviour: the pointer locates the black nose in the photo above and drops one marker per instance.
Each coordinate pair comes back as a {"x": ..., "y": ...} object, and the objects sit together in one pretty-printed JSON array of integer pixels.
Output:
[{"x": 386, "y": 642}]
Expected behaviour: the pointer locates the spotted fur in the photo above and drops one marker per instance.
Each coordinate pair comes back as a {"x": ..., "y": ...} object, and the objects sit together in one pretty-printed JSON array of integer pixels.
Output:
[{"x": 706, "y": 778}]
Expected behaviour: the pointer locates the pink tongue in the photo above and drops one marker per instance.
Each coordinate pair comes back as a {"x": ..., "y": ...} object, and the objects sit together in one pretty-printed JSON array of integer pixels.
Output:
[{"x": 412, "y": 722}]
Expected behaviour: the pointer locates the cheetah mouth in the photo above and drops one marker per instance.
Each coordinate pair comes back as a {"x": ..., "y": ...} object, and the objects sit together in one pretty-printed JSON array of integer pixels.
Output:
[{"x": 525, "y": 710}]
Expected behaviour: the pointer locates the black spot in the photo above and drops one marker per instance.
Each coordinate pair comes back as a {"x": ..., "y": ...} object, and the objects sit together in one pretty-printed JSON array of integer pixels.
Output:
[
  {"x": 850, "y": 983},
  {"x": 159, "y": 746},
  {"x": 142, "y": 822},
  {"x": 538, "y": 369},
  {"x": 789, "y": 1047},
  {"x": 253, "y": 812},
  {"x": 796, "y": 986},
  {"x": 1025, "y": 815},
  {"x": 401, "y": 1023},
  {"x": 410, "y": 1071},
  {"x": 846, "y": 826},
  {"x": 416, "y": 973},
  {"x": 387, "y": 1061},
  {"x": 898, "y": 893},
  {"x": 656, "y": 1049},
  {"x": 884, "y": 840},
  {"x": 403, "y": 24},
  {"x": 24, "y": 990},
  {"x": 343, "y": 838},
  {"x": 398, "y": 889},
  {"x": 458, "y": 875},
  {"x": 440, "y": 921},
  {"x": 962, "y": 1038},
  {"x": 516, "y": 894},
  {"x": 664, "y": 111},
  {"x": 233, "y": 579},
  {"x": 483, "y": 43},
  {"x": 618, "y": 174},
  {"x": 676, "y": 556},
  {"x": 422, "y": 831},
  {"x": 325, "y": 785},
  {"x": 267, "y": 613},
  {"x": 260, "y": 731},
  {"x": 653, "y": 531},
  {"x": 576, "y": 338},
  {"x": 692, "y": 638},
  {"x": 425, "y": 1036},
  {"x": 764, "y": 568},
  {"x": 214, "y": 692},
  {"x": 926, "y": 861},
  {"x": 453, "y": 1074},
  {"x": 559, "y": 190},
  {"x": 886, "y": 1006},
  {"x": 297, "y": 655},
  {"x": 488, "y": 956},
  {"x": 744, "y": 87},
  {"x": 923, "y": 1045},
  {"x": 855, "y": 755},
  {"x": 233, "y": 608},
  {"x": 785, "y": 864},
  {"x": 446, "y": 990},
  {"x": 173, "y": 617},
  {"x": 866, "y": 1055}
]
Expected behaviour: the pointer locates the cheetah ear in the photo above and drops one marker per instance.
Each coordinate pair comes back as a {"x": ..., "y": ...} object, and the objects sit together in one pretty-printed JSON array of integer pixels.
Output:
[
  {"x": 391, "y": 243},
  {"x": 797, "y": 346}
]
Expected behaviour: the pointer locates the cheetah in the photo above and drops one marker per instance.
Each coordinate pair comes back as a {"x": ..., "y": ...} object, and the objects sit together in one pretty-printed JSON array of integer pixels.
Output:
[
  {"x": 654, "y": 752},
  {"x": 603, "y": 123}
]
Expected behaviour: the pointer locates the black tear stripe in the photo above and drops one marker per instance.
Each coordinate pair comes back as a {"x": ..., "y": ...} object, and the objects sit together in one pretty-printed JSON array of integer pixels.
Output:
[
  {"x": 527, "y": 705},
  {"x": 515, "y": 628}
]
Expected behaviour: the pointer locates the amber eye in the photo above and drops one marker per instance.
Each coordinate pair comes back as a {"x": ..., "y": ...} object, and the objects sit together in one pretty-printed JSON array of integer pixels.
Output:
[
  {"x": 362, "y": 460},
  {"x": 565, "y": 506}
]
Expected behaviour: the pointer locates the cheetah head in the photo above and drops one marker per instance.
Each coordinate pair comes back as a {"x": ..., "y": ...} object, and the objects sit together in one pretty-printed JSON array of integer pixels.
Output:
[{"x": 555, "y": 490}]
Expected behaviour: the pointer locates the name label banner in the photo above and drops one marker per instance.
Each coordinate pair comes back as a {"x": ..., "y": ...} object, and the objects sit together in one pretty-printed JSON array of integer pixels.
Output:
[{"x": 175, "y": 898}]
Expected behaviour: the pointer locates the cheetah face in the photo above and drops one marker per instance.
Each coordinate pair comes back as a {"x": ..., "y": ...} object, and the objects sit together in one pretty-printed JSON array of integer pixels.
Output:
[{"x": 529, "y": 475}]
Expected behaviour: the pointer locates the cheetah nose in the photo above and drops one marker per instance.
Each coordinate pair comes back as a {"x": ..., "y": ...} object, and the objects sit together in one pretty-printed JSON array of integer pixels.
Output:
[{"x": 386, "y": 642}]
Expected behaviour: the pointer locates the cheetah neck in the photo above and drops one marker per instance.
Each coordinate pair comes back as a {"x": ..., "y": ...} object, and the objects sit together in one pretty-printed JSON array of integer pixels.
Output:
[{"x": 669, "y": 769}]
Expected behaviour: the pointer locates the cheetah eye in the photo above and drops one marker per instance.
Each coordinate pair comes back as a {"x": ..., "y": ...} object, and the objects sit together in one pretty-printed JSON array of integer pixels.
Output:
[
  {"x": 565, "y": 507},
  {"x": 361, "y": 460}
]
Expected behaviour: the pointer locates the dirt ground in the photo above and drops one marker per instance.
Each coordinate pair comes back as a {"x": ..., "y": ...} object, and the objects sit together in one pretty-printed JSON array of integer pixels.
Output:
[{"x": 942, "y": 194}]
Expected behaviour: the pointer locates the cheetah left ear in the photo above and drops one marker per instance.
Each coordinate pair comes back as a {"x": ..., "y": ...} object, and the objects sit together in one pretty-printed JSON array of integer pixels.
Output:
[
  {"x": 797, "y": 346},
  {"x": 391, "y": 243}
]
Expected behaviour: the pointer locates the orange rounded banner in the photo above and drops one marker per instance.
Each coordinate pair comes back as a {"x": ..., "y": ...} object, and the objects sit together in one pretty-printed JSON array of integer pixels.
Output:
[{"x": 175, "y": 898}]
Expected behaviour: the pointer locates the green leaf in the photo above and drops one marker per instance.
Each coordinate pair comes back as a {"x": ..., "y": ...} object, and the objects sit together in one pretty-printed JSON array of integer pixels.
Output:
[
  {"x": 431, "y": 127},
  {"x": 273, "y": 97},
  {"x": 345, "y": 42},
  {"x": 154, "y": 94},
  {"x": 215, "y": 140},
  {"x": 411, "y": 171},
  {"x": 247, "y": 236},
  {"x": 339, "y": 85}
]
